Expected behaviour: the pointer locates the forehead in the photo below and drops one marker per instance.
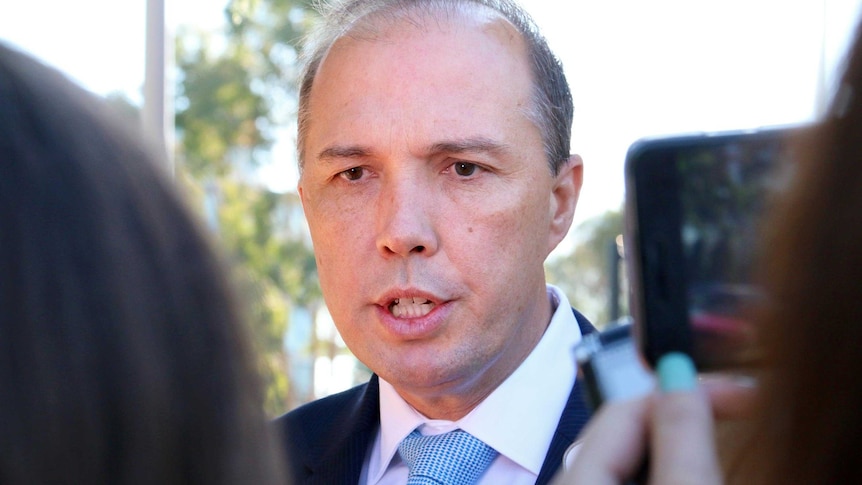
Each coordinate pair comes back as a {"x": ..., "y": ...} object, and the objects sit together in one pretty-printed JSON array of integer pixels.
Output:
[
  {"x": 461, "y": 22},
  {"x": 425, "y": 17},
  {"x": 465, "y": 59}
]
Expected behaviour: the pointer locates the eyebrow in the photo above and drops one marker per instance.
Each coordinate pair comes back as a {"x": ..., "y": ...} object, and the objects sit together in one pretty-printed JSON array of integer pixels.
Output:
[
  {"x": 344, "y": 152},
  {"x": 478, "y": 145},
  {"x": 465, "y": 145}
]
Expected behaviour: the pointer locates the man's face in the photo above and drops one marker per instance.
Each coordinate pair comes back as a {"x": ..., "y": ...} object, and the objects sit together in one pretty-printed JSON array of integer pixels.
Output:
[{"x": 431, "y": 204}]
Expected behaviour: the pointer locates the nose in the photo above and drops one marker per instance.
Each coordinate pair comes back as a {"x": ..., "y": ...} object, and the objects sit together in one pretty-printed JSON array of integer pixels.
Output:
[{"x": 405, "y": 220}]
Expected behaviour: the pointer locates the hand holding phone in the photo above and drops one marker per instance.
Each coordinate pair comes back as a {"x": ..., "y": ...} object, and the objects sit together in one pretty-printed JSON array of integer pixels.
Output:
[
  {"x": 693, "y": 206},
  {"x": 676, "y": 421}
]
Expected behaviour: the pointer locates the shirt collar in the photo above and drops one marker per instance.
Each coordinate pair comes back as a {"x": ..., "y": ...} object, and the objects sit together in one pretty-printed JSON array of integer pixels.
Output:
[{"x": 519, "y": 418}]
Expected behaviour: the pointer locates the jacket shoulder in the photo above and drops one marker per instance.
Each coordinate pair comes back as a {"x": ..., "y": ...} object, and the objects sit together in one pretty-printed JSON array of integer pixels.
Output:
[
  {"x": 325, "y": 409},
  {"x": 330, "y": 430}
]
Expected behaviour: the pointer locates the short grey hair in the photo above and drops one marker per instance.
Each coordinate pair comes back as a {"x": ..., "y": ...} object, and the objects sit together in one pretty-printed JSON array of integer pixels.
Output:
[{"x": 552, "y": 108}]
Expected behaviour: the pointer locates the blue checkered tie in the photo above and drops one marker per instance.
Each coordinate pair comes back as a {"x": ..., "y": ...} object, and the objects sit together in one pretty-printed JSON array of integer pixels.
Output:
[{"x": 453, "y": 458}]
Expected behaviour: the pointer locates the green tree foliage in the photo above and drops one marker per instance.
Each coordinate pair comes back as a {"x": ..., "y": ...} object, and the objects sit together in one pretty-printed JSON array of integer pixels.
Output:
[
  {"x": 233, "y": 92},
  {"x": 586, "y": 274},
  {"x": 218, "y": 112},
  {"x": 272, "y": 30}
]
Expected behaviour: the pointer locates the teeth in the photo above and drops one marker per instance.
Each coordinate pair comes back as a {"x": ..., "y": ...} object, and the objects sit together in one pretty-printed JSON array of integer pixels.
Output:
[{"x": 410, "y": 307}]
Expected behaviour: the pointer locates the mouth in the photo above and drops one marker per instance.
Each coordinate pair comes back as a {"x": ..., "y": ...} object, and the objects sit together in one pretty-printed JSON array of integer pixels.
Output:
[{"x": 411, "y": 307}]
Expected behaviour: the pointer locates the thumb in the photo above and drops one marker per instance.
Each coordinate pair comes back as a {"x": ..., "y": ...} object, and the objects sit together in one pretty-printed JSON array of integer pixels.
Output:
[{"x": 683, "y": 442}]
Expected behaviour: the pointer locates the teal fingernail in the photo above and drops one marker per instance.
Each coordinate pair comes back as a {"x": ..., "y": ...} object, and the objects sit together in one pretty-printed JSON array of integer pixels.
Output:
[{"x": 676, "y": 372}]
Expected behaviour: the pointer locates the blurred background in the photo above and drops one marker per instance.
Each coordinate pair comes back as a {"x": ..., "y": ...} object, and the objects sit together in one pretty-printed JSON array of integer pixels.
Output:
[{"x": 213, "y": 81}]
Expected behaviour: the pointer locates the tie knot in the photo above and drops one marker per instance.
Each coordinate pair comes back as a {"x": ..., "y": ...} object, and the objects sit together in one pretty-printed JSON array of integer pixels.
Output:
[{"x": 453, "y": 458}]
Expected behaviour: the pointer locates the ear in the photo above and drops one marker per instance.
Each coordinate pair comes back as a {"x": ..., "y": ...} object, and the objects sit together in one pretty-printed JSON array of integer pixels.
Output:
[
  {"x": 300, "y": 189},
  {"x": 564, "y": 199},
  {"x": 303, "y": 199}
]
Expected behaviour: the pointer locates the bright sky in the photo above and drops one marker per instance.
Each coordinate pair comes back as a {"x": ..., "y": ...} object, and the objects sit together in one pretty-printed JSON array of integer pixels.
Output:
[{"x": 636, "y": 67}]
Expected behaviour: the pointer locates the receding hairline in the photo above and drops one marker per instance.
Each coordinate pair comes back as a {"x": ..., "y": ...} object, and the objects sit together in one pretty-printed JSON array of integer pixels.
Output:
[
  {"x": 550, "y": 108},
  {"x": 377, "y": 23},
  {"x": 380, "y": 25}
]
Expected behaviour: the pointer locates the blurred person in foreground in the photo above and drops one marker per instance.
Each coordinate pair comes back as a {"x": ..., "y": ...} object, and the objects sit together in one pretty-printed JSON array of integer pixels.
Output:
[
  {"x": 805, "y": 425},
  {"x": 124, "y": 360},
  {"x": 436, "y": 178}
]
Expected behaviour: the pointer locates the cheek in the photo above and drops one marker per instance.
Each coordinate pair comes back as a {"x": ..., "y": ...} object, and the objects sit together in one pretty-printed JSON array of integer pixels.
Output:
[
  {"x": 517, "y": 224},
  {"x": 500, "y": 243},
  {"x": 336, "y": 236},
  {"x": 334, "y": 222}
]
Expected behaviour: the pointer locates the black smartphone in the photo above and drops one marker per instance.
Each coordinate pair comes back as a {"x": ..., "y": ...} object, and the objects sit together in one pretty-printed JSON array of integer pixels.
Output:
[{"x": 693, "y": 208}]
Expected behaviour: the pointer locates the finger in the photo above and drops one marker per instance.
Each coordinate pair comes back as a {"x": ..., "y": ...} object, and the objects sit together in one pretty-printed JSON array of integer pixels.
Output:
[
  {"x": 683, "y": 443},
  {"x": 614, "y": 444},
  {"x": 732, "y": 397}
]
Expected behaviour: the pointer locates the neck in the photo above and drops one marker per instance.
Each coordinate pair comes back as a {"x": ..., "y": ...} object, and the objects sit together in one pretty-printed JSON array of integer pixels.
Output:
[{"x": 453, "y": 400}]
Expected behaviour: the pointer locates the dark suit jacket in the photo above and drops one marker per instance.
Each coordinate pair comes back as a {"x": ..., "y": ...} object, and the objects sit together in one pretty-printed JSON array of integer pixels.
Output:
[{"x": 326, "y": 440}]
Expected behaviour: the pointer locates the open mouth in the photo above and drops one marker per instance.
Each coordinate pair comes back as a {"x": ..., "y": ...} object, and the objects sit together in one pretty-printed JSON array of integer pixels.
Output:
[{"x": 410, "y": 307}]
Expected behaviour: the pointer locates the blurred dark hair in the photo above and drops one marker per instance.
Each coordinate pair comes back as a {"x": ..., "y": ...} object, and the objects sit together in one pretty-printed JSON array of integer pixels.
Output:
[
  {"x": 809, "y": 424},
  {"x": 124, "y": 359}
]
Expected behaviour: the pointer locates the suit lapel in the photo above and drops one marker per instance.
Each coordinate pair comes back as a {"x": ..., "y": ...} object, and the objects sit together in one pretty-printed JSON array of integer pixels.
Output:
[
  {"x": 575, "y": 416},
  {"x": 343, "y": 461},
  {"x": 338, "y": 439}
]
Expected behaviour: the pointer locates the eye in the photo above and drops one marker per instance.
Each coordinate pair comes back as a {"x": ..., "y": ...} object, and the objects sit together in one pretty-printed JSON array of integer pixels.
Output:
[
  {"x": 464, "y": 169},
  {"x": 352, "y": 173}
]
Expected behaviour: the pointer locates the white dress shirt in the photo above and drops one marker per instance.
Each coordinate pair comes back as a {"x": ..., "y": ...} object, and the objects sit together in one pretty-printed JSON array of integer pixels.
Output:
[{"x": 518, "y": 419}]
